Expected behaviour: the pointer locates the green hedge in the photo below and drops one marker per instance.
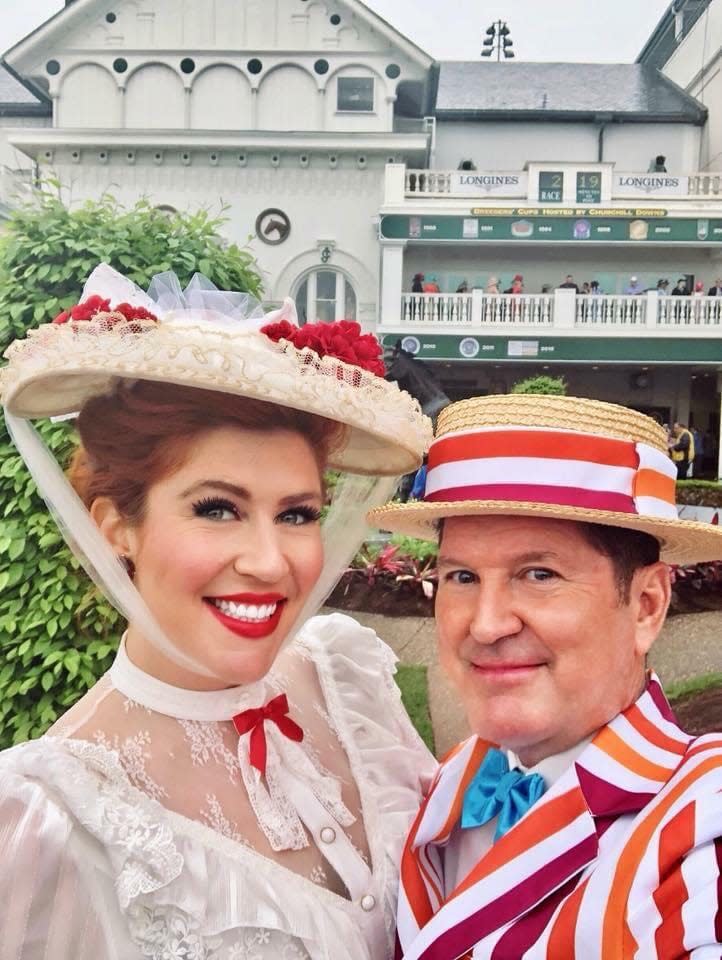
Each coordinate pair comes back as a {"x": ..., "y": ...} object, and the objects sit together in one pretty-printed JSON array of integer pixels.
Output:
[
  {"x": 699, "y": 493},
  {"x": 57, "y": 634}
]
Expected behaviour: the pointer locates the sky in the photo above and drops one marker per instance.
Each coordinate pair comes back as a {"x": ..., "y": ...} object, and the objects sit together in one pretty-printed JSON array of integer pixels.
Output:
[{"x": 572, "y": 30}]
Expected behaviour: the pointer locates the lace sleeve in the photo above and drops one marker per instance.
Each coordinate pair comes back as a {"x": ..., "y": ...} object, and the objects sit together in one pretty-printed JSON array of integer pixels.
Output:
[
  {"x": 359, "y": 673},
  {"x": 56, "y": 898},
  {"x": 364, "y": 668}
]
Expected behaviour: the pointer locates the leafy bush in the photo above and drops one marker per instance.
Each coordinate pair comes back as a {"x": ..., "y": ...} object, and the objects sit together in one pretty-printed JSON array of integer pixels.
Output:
[
  {"x": 421, "y": 550},
  {"x": 552, "y": 386},
  {"x": 57, "y": 634}
]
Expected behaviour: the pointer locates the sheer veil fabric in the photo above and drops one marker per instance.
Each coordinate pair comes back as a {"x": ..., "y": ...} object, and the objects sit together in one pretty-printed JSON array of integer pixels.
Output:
[{"x": 137, "y": 827}]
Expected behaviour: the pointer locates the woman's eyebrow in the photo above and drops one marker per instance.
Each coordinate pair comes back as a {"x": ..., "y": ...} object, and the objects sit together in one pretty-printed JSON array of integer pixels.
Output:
[
  {"x": 243, "y": 494},
  {"x": 224, "y": 485}
]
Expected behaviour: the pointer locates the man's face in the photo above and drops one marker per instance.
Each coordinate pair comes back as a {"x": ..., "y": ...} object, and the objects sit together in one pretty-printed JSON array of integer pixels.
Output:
[{"x": 533, "y": 633}]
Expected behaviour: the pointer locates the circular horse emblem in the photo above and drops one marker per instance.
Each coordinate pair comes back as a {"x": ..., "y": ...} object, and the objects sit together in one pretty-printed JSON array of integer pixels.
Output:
[{"x": 272, "y": 226}]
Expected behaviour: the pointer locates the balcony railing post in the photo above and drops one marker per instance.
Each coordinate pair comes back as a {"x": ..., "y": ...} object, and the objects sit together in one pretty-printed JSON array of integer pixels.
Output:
[
  {"x": 395, "y": 183},
  {"x": 652, "y": 308},
  {"x": 565, "y": 308},
  {"x": 477, "y": 301}
]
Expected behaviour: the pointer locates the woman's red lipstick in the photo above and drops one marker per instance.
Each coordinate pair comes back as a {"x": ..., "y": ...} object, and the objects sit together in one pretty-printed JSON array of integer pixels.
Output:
[{"x": 249, "y": 629}]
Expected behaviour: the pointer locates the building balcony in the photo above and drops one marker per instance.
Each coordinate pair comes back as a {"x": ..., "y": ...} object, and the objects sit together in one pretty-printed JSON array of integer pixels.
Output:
[
  {"x": 562, "y": 313},
  {"x": 553, "y": 185}
]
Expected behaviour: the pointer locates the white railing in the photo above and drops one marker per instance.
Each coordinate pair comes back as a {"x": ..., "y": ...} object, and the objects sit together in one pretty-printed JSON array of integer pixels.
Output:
[
  {"x": 428, "y": 182},
  {"x": 486, "y": 309},
  {"x": 562, "y": 312},
  {"x": 516, "y": 309},
  {"x": 513, "y": 184},
  {"x": 690, "y": 311},
  {"x": 436, "y": 308},
  {"x": 705, "y": 184},
  {"x": 611, "y": 310}
]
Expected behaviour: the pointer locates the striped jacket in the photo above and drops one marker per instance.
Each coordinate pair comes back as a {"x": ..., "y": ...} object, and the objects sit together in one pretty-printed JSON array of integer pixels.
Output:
[{"x": 619, "y": 859}]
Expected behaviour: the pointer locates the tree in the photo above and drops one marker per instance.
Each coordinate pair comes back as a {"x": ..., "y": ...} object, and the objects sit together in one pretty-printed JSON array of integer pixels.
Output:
[
  {"x": 57, "y": 633},
  {"x": 554, "y": 386}
]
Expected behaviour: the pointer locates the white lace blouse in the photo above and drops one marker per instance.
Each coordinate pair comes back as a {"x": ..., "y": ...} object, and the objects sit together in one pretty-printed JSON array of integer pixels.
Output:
[{"x": 137, "y": 826}]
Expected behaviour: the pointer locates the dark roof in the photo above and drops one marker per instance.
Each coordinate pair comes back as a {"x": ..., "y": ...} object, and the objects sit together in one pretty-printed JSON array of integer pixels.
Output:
[
  {"x": 557, "y": 90},
  {"x": 17, "y": 99}
]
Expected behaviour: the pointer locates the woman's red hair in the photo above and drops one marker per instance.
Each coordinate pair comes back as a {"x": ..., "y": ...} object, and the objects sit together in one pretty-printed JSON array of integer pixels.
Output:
[{"x": 140, "y": 432}]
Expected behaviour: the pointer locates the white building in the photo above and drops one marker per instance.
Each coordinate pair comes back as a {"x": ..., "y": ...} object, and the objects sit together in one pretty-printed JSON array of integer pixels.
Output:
[
  {"x": 356, "y": 162},
  {"x": 284, "y": 112}
]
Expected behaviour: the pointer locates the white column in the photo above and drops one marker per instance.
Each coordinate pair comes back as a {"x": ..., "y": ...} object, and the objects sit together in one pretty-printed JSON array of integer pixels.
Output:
[
  {"x": 395, "y": 183},
  {"x": 565, "y": 308},
  {"x": 477, "y": 304},
  {"x": 392, "y": 280},
  {"x": 652, "y": 308}
]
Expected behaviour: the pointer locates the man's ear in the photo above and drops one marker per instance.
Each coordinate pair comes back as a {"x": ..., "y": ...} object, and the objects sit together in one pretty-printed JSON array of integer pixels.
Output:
[
  {"x": 650, "y": 596},
  {"x": 113, "y": 525}
]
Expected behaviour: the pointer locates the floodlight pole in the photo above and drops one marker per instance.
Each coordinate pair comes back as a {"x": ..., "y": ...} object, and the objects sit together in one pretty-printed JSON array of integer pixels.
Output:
[{"x": 496, "y": 40}]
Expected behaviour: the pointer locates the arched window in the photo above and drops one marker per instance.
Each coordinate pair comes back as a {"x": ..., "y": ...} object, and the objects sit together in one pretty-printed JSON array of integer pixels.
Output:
[{"x": 325, "y": 295}]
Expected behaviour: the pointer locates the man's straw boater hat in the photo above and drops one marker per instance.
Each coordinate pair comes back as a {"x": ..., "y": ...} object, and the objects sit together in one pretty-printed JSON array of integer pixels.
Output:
[
  {"x": 217, "y": 340},
  {"x": 562, "y": 458}
]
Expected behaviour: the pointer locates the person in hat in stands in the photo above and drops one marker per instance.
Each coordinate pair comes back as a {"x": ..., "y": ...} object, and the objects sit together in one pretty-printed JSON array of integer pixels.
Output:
[
  {"x": 240, "y": 782},
  {"x": 578, "y": 820}
]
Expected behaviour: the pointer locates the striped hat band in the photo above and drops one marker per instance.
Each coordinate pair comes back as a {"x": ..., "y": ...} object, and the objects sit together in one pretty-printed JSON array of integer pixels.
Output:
[{"x": 551, "y": 466}]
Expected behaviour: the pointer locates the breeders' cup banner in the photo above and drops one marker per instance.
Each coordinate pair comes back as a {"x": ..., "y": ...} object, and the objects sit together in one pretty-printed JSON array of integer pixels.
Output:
[
  {"x": 473, "y": 184},
  {"x": 644, "y": 184}
]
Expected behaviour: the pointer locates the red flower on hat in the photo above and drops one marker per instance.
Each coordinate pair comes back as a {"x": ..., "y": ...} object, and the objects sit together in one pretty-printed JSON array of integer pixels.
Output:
[
  {"x": 134, "y": 313},
  {"x": 90, "y": 308},
  {"x": 342, "y": 340}
]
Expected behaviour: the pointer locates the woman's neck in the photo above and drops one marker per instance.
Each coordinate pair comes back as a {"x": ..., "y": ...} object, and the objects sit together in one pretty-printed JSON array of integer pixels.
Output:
[{"x": 150, "y": 660}]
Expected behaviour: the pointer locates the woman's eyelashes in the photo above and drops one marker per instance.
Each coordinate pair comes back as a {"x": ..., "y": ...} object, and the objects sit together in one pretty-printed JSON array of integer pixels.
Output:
[
  {"x": 215, "y": 508},
  {"x": 219, "y": 508},
  {"x": 297, "y": 516}
]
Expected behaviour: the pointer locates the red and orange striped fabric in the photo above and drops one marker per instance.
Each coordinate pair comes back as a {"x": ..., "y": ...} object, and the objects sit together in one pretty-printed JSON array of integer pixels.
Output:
[
  {"x": 620, "y": 860},
  {"x": 543, "y": 465}
]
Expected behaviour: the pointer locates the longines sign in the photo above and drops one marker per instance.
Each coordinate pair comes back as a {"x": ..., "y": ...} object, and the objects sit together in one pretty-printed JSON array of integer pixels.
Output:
[
  {"x": 476, "y": 184},
  {"x": 646, "y": 184}
]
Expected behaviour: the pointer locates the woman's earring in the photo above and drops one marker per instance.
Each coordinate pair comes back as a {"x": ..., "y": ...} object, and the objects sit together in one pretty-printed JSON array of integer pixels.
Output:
[{"x": 129, "y": 565}]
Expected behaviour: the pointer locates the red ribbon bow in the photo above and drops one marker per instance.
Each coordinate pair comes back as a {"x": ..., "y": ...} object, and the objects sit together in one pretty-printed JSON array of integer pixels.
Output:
[{"x": 253, "y": 720}]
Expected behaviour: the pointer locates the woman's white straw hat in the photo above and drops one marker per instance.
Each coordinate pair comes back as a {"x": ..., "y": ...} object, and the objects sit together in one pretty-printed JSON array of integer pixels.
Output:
[{"x": 207, "y": 338}]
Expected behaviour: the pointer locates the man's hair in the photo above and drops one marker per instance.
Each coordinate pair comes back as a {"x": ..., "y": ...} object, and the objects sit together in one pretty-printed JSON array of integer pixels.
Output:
[{"x": 628, "y": 550}]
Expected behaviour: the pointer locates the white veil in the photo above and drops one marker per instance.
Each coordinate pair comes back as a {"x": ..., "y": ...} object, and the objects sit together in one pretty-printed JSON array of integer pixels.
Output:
[{"x": 344, "y": 528}]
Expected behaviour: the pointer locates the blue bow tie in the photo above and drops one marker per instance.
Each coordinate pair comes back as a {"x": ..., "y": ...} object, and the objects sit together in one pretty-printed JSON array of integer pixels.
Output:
[{"x": 497, "y": 791}]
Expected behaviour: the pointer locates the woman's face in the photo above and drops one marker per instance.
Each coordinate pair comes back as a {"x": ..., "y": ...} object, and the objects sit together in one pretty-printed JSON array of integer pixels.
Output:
[{"x": 227, "y": 554}]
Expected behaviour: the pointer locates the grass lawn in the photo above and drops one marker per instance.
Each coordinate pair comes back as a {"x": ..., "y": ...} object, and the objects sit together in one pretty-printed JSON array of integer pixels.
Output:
[
  {"x": 414, "y": 686},
  {"x": 684, "y": 688}
]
